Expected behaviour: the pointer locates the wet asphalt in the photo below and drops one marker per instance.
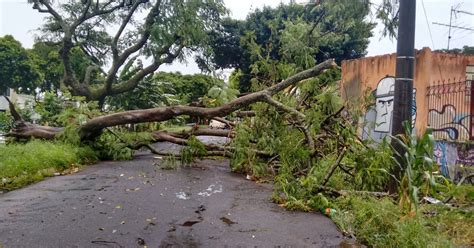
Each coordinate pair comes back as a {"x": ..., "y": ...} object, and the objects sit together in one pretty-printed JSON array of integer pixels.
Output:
[{"x": 137, "y": 204}]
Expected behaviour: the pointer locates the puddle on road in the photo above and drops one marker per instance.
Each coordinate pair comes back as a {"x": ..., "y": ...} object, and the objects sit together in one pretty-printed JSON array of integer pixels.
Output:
[
  {"x": 183, "y": 196},
  {"x": 212, "y": 189}
]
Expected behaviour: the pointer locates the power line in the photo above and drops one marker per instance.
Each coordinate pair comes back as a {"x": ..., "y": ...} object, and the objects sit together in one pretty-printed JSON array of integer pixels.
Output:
[
  {"x": 447, "y": 25},
  {"x": 427, "y": 23},
  {"x": 464, "y": 12}
]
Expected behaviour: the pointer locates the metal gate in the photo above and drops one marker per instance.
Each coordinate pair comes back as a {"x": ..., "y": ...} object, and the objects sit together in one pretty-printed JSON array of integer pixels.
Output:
[{"x": 450, "y": 110}]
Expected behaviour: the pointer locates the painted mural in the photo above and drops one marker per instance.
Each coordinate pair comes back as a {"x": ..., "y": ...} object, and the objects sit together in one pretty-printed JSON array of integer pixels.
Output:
[
  {"x": 449, "y": 124},
  {"x": 449, "y": 109},
  {"x": 455, "y": 160},
  {"x": 378, "y": 118}
]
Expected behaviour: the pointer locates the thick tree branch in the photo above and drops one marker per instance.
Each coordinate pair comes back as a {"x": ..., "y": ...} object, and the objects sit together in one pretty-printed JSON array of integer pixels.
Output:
[
  {"x": 16, "y": 116},
  {"x": 220, "y": 119},
  {"x": 88, "y": 75},
  {"x": 124, "y": 24},
  {"x": 50, "y": 10},
  {"x": 93, "y": 127},
  {"x": 120, "y": 59},
  {"x": 133, "y": 81}
]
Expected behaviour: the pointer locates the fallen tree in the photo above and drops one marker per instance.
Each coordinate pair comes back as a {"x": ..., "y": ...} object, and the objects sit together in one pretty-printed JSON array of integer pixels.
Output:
[{"x": 95, "y": 126}]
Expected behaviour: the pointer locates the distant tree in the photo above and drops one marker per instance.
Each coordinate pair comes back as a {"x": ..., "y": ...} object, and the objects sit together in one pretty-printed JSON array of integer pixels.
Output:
[
  {"x": 50, "y": 64},
  {"x": 18, "y": 68},
  {"x": 164, "y": 89},
  {"x": 170, "y": 29},
  {"x": 48, "y": 59},
  {"x": 469, "y": 50},
  {"x": 331, "y": 29},
  {"x": 189, "y": 88}
]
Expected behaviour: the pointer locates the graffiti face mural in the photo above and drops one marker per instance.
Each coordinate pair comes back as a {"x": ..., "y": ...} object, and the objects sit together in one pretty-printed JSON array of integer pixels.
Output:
[
  {"x": 384, "y": 104},
  {"x": 378, "y": 118}
]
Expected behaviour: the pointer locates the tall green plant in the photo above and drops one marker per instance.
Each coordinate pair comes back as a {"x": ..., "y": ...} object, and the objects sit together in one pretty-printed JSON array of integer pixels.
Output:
[{"x": 417, "y": 165}]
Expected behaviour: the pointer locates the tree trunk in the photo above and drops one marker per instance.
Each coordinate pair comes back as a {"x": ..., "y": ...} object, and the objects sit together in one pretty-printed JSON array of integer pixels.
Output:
[{"x": 94, "y": 127}]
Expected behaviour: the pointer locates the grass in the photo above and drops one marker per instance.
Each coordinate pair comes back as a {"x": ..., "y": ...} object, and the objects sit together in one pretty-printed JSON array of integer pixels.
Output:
[
  {"x": 380, "y": 223},
  {"x": 23, "y": 164}
]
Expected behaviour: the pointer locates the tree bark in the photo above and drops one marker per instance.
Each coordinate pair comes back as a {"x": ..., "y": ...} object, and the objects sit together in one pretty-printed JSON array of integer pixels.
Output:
[{"x": 94, "y": 127}]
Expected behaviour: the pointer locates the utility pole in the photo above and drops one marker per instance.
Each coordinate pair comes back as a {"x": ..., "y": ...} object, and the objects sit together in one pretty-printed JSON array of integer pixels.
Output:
[{"x": 403, "y": 96}]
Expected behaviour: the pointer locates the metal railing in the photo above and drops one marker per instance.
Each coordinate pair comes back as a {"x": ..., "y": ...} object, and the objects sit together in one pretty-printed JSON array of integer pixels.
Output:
[{"x": 450, "y": 110}]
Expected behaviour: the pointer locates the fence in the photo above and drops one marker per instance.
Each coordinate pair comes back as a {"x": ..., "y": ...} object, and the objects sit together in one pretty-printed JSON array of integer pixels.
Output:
[{"x": 450, "y": 110}]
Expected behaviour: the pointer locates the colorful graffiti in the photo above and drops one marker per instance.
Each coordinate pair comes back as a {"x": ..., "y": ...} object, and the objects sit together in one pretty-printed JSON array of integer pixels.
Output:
[
  {"x": 384, "y": 96},
  {"x": 455, "y": 160},
  {"x": 449, "y": 110},
  {"x": 378, "y": 118},
  {"x": 447, "y": 124}
]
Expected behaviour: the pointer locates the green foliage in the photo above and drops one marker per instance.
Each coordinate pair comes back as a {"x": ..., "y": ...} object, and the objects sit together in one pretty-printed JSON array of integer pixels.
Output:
[
  {"x": 372, "y": 165},
  {"x": 164, "y": 89},
  {"x": 189, "y": 88},
  {"x": 194, "y": 148},
  {"x": 50, "y": 109},
  {"x": 171, "y": 32},
  {"x": 48, "y": 60},
  {"x": 149, "y": 93},
  {"x": 6, "y": 122},
  {"x": 111, "y": 147},
  {"x": 220, "y": 94},
  {"x": 291, "y": 37},
  {"x": 377, "y": 223},
  {"x": 417, "y": 166},
  {"x": 18, "y": 68},
  {"x": 22, "y": 164},
  {"x": 169, "y": 163}
]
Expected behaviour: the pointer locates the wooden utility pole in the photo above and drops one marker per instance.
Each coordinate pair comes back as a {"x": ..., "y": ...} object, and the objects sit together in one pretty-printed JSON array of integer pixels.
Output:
[{"x": 403, "y": 96}]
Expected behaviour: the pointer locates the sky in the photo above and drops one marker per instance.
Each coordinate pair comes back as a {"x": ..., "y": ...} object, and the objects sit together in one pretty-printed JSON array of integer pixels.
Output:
[{"x": 20, "y": 20}]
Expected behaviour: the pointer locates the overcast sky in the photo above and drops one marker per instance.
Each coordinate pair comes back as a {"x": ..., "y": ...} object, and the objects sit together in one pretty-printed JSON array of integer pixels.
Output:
[{"x": 19, "y": 19}]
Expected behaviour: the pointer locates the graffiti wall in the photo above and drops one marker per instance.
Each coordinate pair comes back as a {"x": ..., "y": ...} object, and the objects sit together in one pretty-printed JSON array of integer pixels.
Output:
[
  {"x": 378, "y": 118},
  {"x": 442, "y": 105},
  {"x": 455, "y": 160},
  {"x": 449, "y": 124},
  {"x": 449, "y": 110}
]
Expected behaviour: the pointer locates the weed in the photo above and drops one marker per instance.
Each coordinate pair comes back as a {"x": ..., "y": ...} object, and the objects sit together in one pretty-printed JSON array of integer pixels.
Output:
[
  {"x": 418, "y": 167},
  {"x": 377, "y": 223},
  {"x": 169, "y": 163}
]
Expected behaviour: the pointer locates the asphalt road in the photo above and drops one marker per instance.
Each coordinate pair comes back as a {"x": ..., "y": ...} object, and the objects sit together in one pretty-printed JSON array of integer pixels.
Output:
[{"x": 134, "y": 204}]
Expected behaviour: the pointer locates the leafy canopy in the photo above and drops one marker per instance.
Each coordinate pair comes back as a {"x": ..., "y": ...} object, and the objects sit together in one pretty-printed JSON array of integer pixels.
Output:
[
  {"x": 18, "y": 68},
  {"x": 311, "y": 34}
]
